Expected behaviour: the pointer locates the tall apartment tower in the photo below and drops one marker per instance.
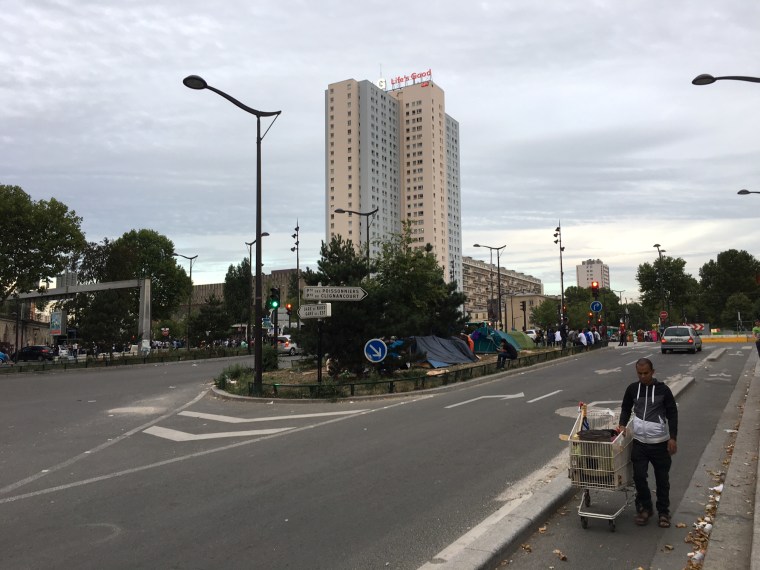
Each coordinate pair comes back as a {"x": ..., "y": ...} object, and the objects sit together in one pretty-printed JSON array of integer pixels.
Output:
[
  {"x": 398, "y": 151},
  {"x": 593, "y": 270}
]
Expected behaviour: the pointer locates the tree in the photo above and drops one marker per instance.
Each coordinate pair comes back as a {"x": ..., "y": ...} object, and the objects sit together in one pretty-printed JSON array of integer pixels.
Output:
[
  {"x": 738, "y": 312},
  {"x": 38, "y": 240},
  {"x": 546, "y": 314},
  {"x": 137, "y": 254},
  {"x": 665, "y": 284},
  {"x": 211, "y": 323},
  {"x": 733, "y": 272},
  {"x": 237, "y": 291}
]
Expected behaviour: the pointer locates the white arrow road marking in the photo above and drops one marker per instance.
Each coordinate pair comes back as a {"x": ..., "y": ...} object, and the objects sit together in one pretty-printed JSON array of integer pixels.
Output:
[
  {"x": 502, "y": 397},
  {"x": 603, "y": 371},
  {"x": 720, "y": 374},
  {"x": 234, "y": 420},
  {"x": 176, "y": 435},
  {"x": 544, "y": 396}
]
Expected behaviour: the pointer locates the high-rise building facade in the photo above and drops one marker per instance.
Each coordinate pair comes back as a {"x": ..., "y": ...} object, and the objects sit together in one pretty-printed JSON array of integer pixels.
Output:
[
  {"x": 593, "y": 270},
  {"x": 396, "y": 151}
]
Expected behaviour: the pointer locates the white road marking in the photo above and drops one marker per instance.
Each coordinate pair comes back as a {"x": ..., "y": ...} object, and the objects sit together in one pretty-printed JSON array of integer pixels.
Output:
[
  {"x": 544, "y": 396},
  {"x": 176, "y": 435},
  {"x": 607, "y": 371},
  {"x": 502, "y": 397},
  {"x": 234, "y": 420}
]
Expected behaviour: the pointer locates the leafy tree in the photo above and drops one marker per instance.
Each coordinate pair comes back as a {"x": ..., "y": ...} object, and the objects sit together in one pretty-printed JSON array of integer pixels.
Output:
[
  {"x": 237, "y": 291},
  {"x": 104, "y": 323},
  {"x": 546, "y": 314},
  {"x": 665, "y": 284},
  {"x": 736, "y": 305},
  {"x": 38, "y": 240},
  {"x": 733, "y": 271},
  {"x": 210, "y": 323}
]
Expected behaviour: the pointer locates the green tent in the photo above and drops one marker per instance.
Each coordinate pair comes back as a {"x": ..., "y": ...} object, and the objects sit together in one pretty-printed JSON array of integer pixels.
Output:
[{"x": 488, "y": 339}]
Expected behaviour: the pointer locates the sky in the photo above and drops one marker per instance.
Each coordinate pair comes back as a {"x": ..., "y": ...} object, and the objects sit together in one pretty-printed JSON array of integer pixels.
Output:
[{"x": 573, "y": 111}]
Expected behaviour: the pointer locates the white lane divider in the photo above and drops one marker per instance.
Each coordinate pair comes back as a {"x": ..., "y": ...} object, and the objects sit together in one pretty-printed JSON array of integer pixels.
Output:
[
  {"x": 234, "y": 420},
  {"x": 544, "y": 396},
  {"x": 500, "y": 397},
  {"x": 176, "y": 435}
]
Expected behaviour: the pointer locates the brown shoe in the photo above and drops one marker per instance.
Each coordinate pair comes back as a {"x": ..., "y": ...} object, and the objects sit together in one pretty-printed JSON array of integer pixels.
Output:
[
  {"x": 642, "y": 517},
  {"x": 664, "y": 521}
]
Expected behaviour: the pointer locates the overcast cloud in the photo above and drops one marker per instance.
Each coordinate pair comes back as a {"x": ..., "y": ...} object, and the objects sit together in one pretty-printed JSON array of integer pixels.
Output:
[{"x": 575, "y": 110}]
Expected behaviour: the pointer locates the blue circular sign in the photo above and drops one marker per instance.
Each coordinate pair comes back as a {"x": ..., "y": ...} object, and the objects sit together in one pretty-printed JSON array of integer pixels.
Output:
[
  {"x": 375, "y": 350},
  {"x": 596, "y": 306}
]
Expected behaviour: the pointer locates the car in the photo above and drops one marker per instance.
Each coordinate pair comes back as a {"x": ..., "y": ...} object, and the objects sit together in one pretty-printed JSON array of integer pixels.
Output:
[
  {"x": 680, "y": 338},
  {"x": 35, "y": 352},
  {"x": 532, "y": 333},
  {"x": 286, "y": 346}
]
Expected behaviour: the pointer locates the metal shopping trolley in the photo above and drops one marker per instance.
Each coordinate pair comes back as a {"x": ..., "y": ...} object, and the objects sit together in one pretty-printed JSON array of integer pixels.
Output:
[{"x": 600, "y": 463}]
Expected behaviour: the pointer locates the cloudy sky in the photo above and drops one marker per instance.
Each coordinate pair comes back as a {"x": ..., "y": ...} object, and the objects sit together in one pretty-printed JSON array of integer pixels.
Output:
[{"x": 575, "y": 110}]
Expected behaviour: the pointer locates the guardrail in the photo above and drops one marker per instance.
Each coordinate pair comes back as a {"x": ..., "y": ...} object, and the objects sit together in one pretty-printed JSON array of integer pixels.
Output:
[{"x": 335, "y": 389}]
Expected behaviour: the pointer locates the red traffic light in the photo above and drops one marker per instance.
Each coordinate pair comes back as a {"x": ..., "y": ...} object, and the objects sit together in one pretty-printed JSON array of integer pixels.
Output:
[{"x": 595, "y": 289}]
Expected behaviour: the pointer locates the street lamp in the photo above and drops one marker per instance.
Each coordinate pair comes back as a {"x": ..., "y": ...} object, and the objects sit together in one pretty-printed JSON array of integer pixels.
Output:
[
  {"x": 745, "y": 192},
  {"x": 190, "y": 300},
  {"x": 660, "y": 274},
  {"x": 250, "y": 289},
  {"x": 558, "y": 240},
  {"x": 498, "y": 275},
  {"x": 195, "y": 82},
  {"x": 706, "y": 79},
  {"x": 298, "y": 274},
  {"x": 367, "y": 223}
]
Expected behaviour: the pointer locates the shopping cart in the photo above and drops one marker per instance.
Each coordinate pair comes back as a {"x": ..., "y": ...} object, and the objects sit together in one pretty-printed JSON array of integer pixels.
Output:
[{"x": 600, "y": 463}]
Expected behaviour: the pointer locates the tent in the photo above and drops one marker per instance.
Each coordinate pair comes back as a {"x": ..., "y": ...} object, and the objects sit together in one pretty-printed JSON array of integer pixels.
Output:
[
  {"x": 440, "y": 352},
  {"x": 488, "y": 339}
]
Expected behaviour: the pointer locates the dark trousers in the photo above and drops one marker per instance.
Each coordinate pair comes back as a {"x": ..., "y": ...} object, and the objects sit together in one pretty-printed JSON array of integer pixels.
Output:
[
  {"x": 757, "y": 344},
  {"x": 501, "y": 359},
  {"x": 642, "y": 454}
]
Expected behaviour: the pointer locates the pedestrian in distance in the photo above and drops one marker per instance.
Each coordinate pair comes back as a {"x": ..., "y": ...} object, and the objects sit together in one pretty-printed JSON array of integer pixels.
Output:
[
  {"x": 655, "y": 430},
  {"x": 756, "y": 333},
  {"x": 506, "y": 352}
]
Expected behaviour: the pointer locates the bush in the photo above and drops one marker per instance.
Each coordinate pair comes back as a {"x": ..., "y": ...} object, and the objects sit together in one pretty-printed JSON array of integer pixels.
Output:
[{"x": 234, "y": 379}]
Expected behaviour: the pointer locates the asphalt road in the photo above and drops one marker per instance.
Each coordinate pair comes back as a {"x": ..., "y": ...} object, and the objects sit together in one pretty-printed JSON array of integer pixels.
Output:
[{"x": 128, "y": 468}]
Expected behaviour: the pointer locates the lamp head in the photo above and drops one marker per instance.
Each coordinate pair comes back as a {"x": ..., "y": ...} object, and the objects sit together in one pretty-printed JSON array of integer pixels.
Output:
[
  {"x": 743, "y": 192},
  {"x": 556, "y": 229},
  {"x": 477, "y": 245},
  {"x": 292, "y": 249},
  {"x": 703, "y": 79},
  {"x": 195, "y": 82},
  {"x": 556, "y": 240},
  {"x": 656, "y": 245},
  {"x": 339, "y": 211}
]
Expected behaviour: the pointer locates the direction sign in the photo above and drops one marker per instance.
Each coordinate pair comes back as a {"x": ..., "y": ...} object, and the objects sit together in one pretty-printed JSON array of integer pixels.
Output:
[
  {"x": 315, "y": 311},
  {"x": 314, "y": 293},
  {"x": 596, "y": 306},
  {"x": 375, "y": 350},
  {"x": 663, "y": 315}
]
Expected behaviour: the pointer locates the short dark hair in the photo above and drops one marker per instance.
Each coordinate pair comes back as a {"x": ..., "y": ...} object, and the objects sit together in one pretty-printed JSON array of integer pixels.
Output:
[{"x": 645, "y": 361}]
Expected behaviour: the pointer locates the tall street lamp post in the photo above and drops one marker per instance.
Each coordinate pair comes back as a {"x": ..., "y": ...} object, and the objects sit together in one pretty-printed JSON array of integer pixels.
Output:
[
  {"x": 298, "y": 274},
  {"x": 250, "y": 289},
  {"x": 660, "y": 274},
  {"x": 196, "y": 82},
  {"x": 190, "y": 299},
  {"x": 558, "y": 240},
  {"x": 498, "y": 275},
  {"x": 367, "y": 224}
]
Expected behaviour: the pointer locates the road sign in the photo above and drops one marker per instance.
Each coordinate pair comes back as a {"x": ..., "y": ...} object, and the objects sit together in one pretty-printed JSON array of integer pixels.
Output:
[
  {"x": 375, "y": 350},
  {"x": 334, "y": 293},
  {"x": 663, "y": 315},
  {"x": 596, "y": 306},
  {"x": 319, "y": 311}
]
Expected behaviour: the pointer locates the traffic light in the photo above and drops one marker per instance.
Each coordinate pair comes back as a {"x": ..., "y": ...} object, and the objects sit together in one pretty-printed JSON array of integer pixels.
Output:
[
  {"x": 274, "y": 298},
  {"x": 590, "y": 317},
  {"x": 289, "y": 308},
  {"x": 595, "y": 289},
  {"x": 522, "y": 305}
]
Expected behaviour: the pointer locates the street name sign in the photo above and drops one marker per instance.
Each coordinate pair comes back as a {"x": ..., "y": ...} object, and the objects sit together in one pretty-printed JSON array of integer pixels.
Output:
[
  {"x": 315, "y": 293},
  {"x": 596, "y": 306},
  {"x": 375, "y": 350},
  {"x": 320, "y": 311}
]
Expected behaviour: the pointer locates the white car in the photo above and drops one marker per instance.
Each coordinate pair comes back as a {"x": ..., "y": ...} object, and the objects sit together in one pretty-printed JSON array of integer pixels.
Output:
[
  {"x": 286, "y": 346},
  {"x": 532, "y": 334}
]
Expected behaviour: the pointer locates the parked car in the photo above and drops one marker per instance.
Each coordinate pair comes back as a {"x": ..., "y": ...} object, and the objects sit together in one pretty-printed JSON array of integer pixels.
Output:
[
  {"x": 532, "y": 333},
  {"x": 36, "y": 352},
  {"x": 286, "y": 346},
  {"x": 681, "y": 338}
]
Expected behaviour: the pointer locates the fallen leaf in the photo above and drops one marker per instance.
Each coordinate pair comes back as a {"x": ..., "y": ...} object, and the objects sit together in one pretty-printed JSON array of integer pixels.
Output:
[
  {"x": 668, "y": 547},
  {"x": 542, "y": 529},
  {"x": 681, "y": 525},
  {"x": 526, "y": 547}
]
